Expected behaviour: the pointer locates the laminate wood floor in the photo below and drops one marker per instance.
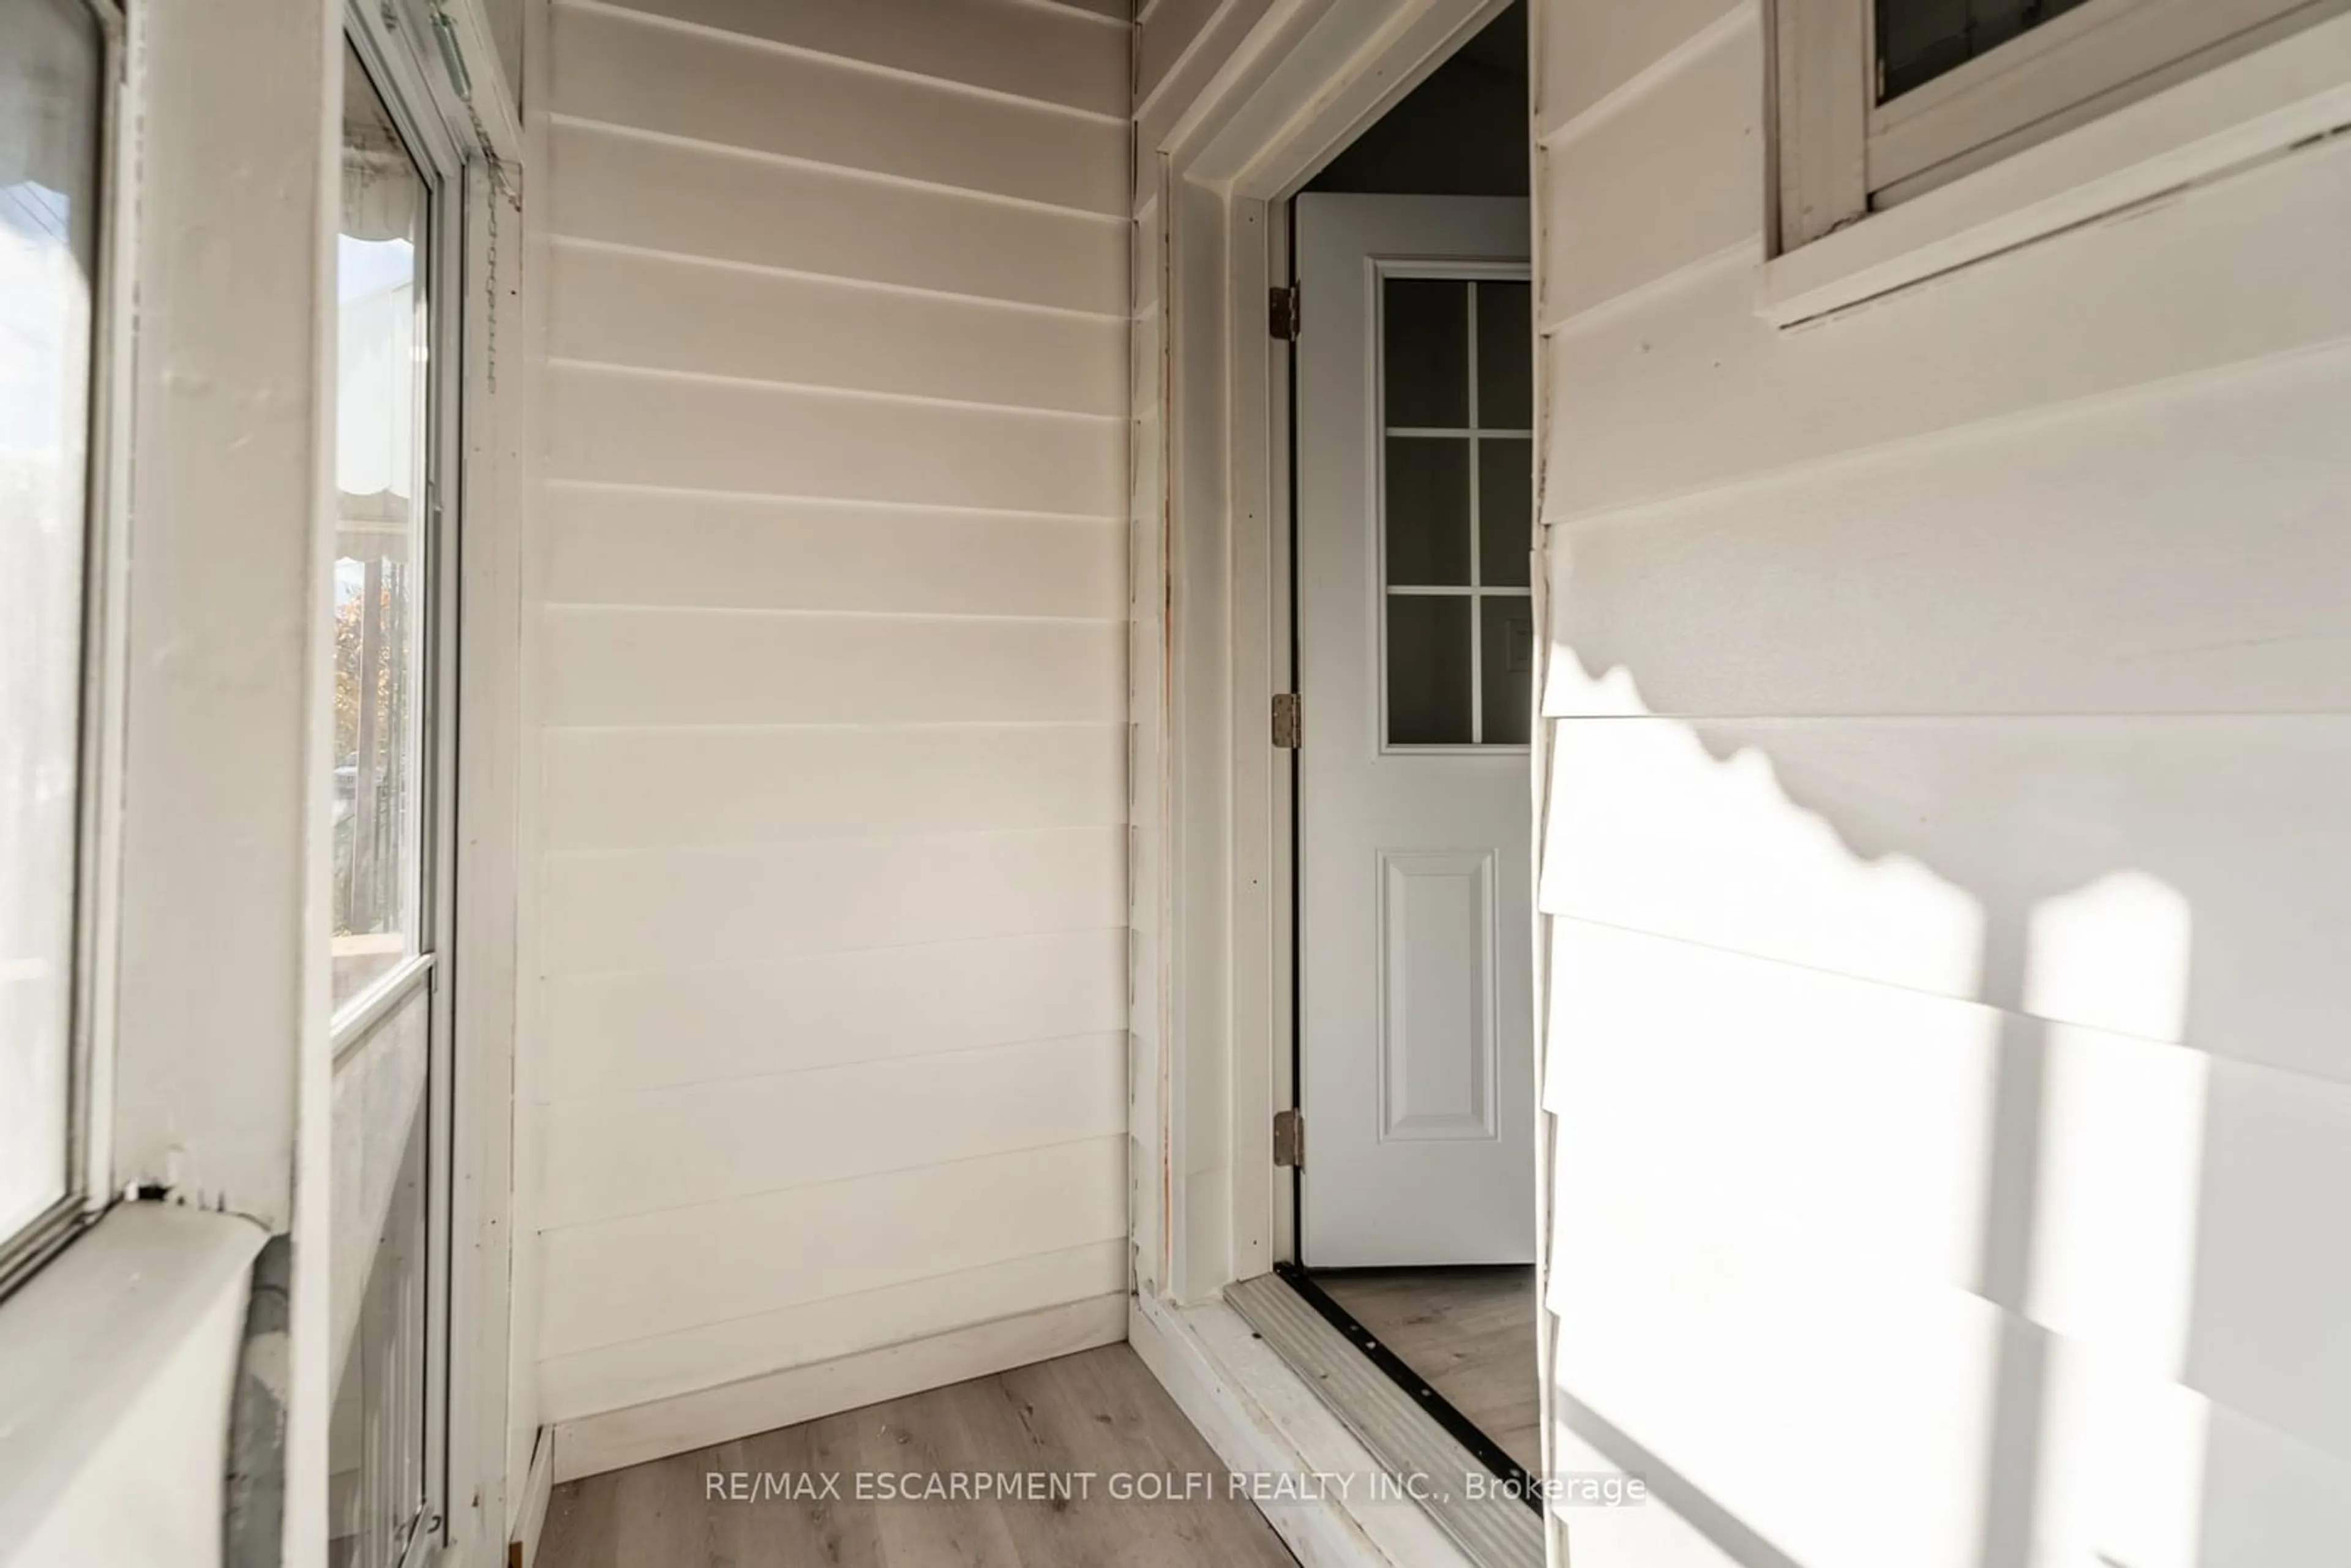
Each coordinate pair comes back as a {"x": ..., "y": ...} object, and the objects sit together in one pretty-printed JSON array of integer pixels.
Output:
[
  {"x": 1470, "y": 1332},
  {"x": 1100, "y": 1411}
]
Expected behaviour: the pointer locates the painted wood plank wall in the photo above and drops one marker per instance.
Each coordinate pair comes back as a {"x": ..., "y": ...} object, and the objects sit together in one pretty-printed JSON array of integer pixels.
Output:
[
  {"x": 831, "y": 951},
  {"x": 1951, "y": 1036}
]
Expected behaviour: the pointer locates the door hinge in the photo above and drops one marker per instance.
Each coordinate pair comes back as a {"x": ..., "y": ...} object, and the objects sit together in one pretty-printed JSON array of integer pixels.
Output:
[
  {"x": 1281, "y": 313},
  {"x": 1289, "y": 1139},
  {"x": 1289, "y": 720}
]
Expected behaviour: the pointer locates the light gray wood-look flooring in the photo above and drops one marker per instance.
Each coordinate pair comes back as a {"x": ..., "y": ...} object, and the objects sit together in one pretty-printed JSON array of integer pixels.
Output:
[
  {"x": 1100, "y": 1411},
  {"x": 1470, "y": 1332}
]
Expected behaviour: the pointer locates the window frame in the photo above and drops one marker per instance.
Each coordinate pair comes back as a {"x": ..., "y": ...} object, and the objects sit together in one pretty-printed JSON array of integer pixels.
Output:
[
  {"x": 402, "y": 80},
  {"x": 203, "y": 1136},
  {"x": 98, "y": 734},
  {"x": 1841, "y": 155},
  {"x": 413, "y": 85}
]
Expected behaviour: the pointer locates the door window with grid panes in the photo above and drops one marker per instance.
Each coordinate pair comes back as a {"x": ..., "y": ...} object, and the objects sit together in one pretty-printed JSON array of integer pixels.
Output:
[{"x": 1456, "y": 502}]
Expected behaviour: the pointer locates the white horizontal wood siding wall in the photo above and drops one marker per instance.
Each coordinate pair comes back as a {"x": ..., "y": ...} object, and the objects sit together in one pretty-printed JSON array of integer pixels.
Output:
[
  {"x": 832, "y": 682},
  {"x": 1950, "y": 1037}
]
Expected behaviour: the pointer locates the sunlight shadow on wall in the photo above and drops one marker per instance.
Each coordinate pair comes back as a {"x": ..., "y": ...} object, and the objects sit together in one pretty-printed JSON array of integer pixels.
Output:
[
  {"x": 2119, "y": 1444},
  {"x": 1653, "y": 832},
  {"x": 2122, "y": 1125},
  {"x": 1774, "y": 1101},
  {"x": 2113, "y": 953},
  {"x": 1843, "y": 1125}
]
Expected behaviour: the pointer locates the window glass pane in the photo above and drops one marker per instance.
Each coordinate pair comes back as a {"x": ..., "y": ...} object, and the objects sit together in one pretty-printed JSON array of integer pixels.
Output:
[
  {"x": 1506, "y": 486},
  {"x": 1428, "y": 510},
  {"x": 1918, "y": 40},
  {"x": 379, "y": 625},
  {"x": 1505, "y": 667},
  {"x": 50, "y": 67},
  {"x": 1505, "y": 358},
  {"x": 1428, "y": 669},
  {"x": 1424, "y": 351}
]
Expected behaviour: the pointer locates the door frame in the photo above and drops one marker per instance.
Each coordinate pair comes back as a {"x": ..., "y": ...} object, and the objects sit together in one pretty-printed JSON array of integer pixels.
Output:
[
  {"x": 1214, "y": 1035},
  {"x": 1275, "y": 91}
]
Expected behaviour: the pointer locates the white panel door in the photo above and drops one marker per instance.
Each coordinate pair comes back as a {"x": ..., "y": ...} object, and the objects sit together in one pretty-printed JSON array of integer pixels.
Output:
[{"x": 1416, "y": 668}]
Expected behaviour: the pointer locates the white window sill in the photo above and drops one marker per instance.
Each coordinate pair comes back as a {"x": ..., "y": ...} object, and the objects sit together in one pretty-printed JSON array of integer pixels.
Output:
[
  {"x": 110, "y": 1360},
  {"x": 2235, "y": 114}
]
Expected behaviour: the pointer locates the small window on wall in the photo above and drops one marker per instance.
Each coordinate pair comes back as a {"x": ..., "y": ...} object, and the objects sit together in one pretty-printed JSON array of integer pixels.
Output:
[
  {"x": 1456, "y": 509},
  {"x": 52, "y": 105},
  {"x": 1881, "y": 100},
  {"x": 1918, "y": 42}
]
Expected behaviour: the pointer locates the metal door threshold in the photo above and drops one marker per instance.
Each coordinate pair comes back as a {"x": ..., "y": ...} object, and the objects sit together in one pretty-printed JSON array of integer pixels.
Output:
[{"x": 1497, "y": 1529}]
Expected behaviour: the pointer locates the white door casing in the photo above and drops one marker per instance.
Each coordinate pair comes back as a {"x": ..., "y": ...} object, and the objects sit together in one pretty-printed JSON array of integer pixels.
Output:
[{"x": 1415, "y": 670}]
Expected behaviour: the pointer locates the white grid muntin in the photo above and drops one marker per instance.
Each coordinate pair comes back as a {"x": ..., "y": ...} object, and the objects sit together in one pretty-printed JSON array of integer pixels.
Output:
[{"x": 1469, "y": 274}]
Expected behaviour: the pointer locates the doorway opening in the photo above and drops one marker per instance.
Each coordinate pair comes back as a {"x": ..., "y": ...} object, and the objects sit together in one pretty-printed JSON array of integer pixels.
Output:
[{"x": 1412, "y": 641}]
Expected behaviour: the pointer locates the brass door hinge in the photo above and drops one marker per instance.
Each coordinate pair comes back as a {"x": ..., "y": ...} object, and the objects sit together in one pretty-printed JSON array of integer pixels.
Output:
[
  {"x": 1281, "y": 313},
  {"x": 1289, "y": 1139},
  {"x": 1289, "y": 720}
]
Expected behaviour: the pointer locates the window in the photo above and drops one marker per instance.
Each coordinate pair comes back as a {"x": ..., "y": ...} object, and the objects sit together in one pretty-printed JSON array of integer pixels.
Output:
[
  {"x": 1457, "y": 507},
  {"x": 391, "y": 1022},
  {"x": 1881, "y": 100},
  {"x": 1918, "y": 40},
  {"x": 52, "y": 105}
]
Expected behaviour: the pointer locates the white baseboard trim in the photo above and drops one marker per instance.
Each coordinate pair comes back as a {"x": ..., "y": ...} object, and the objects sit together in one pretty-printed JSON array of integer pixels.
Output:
[
  {"x": 1260, "y": 1415},
  {"x": 537, "y": 1487},
  {"x": 613, "y": 1439}
]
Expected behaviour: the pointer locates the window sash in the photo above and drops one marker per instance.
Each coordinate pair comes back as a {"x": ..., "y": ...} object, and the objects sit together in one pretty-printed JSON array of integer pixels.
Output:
[
  {"x": 410, "y": 77},
  {"x": 1841, "y": 154},
  {"x": 2071, "y": 70}
]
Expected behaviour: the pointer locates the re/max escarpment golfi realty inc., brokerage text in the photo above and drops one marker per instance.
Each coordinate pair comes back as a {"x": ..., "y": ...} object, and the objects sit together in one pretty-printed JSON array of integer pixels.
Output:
[{"x": 1585, "y": 1491}]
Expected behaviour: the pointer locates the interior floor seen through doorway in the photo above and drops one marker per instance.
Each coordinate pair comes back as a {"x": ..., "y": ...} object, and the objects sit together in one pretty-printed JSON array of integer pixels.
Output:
[{"x": 1470, "y": 1332}]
